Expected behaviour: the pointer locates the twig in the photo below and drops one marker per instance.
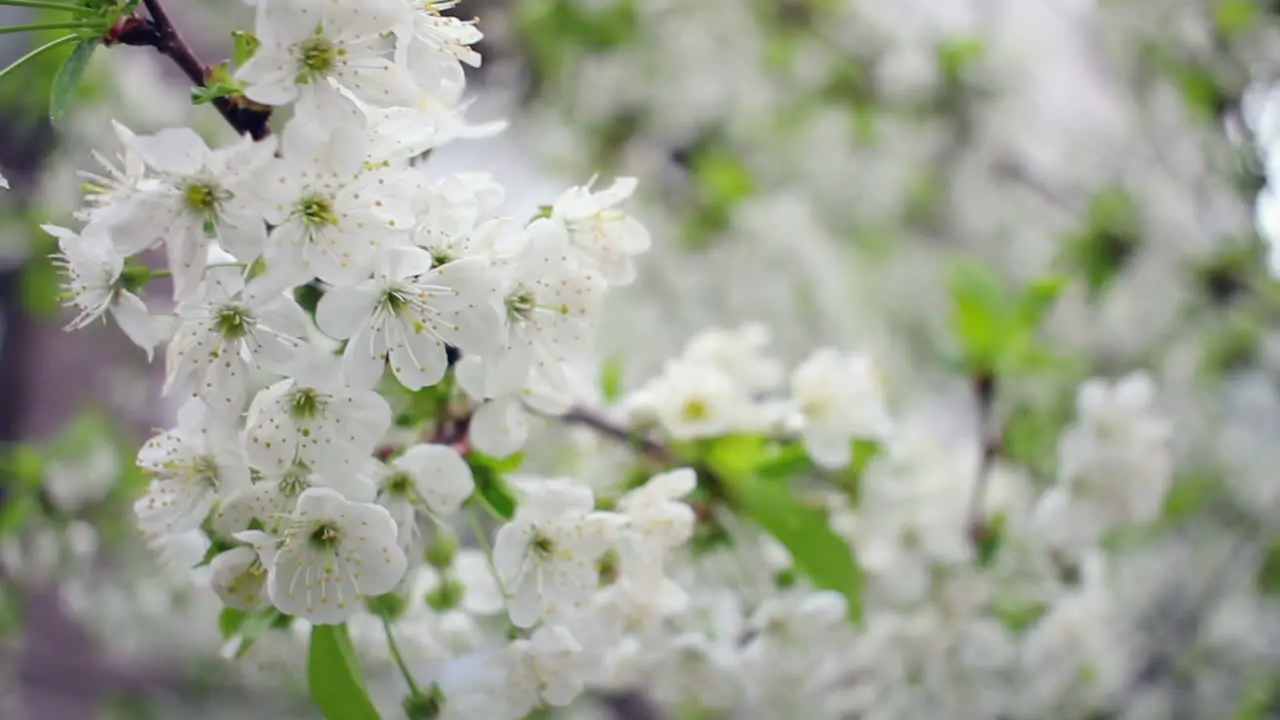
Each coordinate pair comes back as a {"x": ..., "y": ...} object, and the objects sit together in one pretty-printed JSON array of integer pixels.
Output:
[
  {"x": 984, "y": 391},
  {"x": 589, "y": 418},
  {"x": 159, "y": 32}
]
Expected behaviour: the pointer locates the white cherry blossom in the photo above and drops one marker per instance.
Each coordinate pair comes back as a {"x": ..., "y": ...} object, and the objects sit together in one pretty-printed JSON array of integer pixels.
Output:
[
  {"x": 192, "y": 195},
  {"x": 838, "y": 398},
  {"x": 240, "y": 576},
  {"x": 317, "y": 418},
  {"x": 407, "y": 314},
  {"x": 228, "y": 330},
  {"x": 546, "y": 556},
  {"x": 430, "y": 479},
  {"x": 305, "y": 44},
  {"x": 106, "y": 195},
  {"x": 275, "y": 491},
  {"x": 551, "y": 304},
  {"x": 331, "y": 211},
  {"x": 607, "y": 237},
  {"x": 549, "y": 668},
  {"x": 656, "y": 524},
  {"x": 192, "y": 466},
  {"x": 95, "y": 283},
  {"x": 332, "y": 554}
]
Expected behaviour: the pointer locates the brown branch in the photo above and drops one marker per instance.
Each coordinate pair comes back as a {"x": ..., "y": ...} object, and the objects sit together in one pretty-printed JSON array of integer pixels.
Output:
[
  {"x": 159, "y": 32},
  {"x": 587, "y": 417},
  {"x": 984, "y": 391}
]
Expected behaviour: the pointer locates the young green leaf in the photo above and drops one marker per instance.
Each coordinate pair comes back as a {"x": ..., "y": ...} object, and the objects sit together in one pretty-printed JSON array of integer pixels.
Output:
[
  {"x": 230, "y": 620},
  {"x": 334, "y": 676},
  {"x": 68, "y": 78},
  {"x": 251, "y": 626},
  {"x": 819, "y": 553},
  {"x": 787, "y": 462},
  {"x": 611, "y": 379},
  {"x": 981, "y": 310},
  {"x": 491, "y": 489},
  {"x": 246, "y": 44}
]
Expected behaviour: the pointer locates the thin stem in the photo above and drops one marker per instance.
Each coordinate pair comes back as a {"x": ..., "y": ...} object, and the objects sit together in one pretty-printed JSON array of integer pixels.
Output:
[
  {"x": 482, "y": 539},
  {"x": 160, "y": 272},
  {"x": 489, "y": 508},
  {"x": 160, "y": 33},
  {"x": 172, "y": 44},
  {"x": 395, "y": 653},
  {"x": 66, "y": 25},
  {"x": 599, "y": 423},
  {"x": 43, "y": 48},
  {"x": 43, "y": 4},
  {"x": 984, "y": 390}
]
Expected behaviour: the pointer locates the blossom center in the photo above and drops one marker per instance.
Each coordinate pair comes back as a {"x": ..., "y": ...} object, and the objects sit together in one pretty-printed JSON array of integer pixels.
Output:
[
  {"x": 317, "y": 56},
  {"x": 608, "y": 567},
  {"x": 520, "y": 305},
  {"x": 324, "y": 536},
  {"x": 294, "y": 481},
  {"x": 398, "y": 485},
  {"x": 202, "y": 198},
  {"x": 306, "y": 403},
  {"x": 440, "y": 257},
  {"x": 204, "y": 471},
  {"x": 543, "y": 546},
  {"x": 394, "y": 301},
  {"x": 316, "y": 211},
  {"x": 815, "y": 407},
  {"x": 232, "y": 322},
  {"x": 695, "y": 410}
]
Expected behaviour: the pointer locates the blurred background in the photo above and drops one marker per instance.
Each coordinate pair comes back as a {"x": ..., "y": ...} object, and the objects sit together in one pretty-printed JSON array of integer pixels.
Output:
[{"x": 813, "y": 165}]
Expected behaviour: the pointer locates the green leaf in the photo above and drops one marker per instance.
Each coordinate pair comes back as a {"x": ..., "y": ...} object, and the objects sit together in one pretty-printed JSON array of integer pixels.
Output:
[
  {"x": 26, "y": 465},
  {"x": 1018, "y": 616},
  {"x": 611, "y": 379},
  {"x": 1102, "y": 249},
  {"x": 230, "y": 620},
  {"x": 334, "y": 676},
  {"x": 14, "y": 512},
  {"x": 956, "y": 55},
  {"x": 723, "y": 178},
  {"x": 308, "y": 296},
  {"x": 737, "y": 454},
  {"x": 1038, "y": 298},
  {"x": 1257, "y": 699},
  {"x": 219, "y": 83},
  {"x": 981, "y": 310},
  {"x": 1189, "y": 495},
  {"x": 997, "y": 328},
  {"x": 68, "y": 77},
  {"x": 40, "y": 287},
  {"x": 1234, "y": 16},
  {"x": 990, "y": 540},
  {"x": 217, "y": 546},
  {"x": 491, "y": 489},
  {"x": 1267, "y": 579},
  {"x": 819, "y": 553},
  {"x": 246, "y": 44},
  {"x": 254, "y": 624},
  {"x": 789, "y": 460}
]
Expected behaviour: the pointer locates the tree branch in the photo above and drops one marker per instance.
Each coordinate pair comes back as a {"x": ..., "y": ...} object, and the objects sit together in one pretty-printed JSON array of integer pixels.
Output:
[
  {"x": 984, "y": 390},
  {"x": 587, "y": 417},
  {"x": 159, "y": 32}
]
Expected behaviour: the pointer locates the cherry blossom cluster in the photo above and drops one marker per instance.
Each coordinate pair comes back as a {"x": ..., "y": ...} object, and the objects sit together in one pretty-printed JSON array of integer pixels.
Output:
[
  {"x": 283, "y": 453},
  {"x": 829, "y": 156},
  {"x": 326, "y": 289}
]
